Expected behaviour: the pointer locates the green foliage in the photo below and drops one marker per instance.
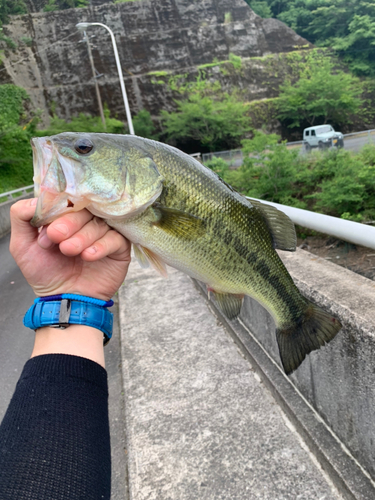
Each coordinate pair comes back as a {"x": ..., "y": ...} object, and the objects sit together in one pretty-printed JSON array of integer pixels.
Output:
[
  {"x": 16, "y": 129},
  {"x": 216, "y": 124},
  {"x": 218, "y": 165},
  {"x": 321, "y": 94},
  {"x": 228, "y": 18},
  {"x": 53, "y": 5},
  {"x": 9, "y": 8},
  {"x": 335, "y": 182},
  {"x": 83, "y": 123},
  {"x": 260, "y": 8},
  {"x": 143, "y": 125},
  {"x": 235, "y": 60},
  {"x": 346, "y": 26}
]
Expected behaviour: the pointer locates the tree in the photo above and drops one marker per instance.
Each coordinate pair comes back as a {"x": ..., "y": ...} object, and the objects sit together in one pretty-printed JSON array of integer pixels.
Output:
[
  {"x": 215, "y": 123},
  {"x": 320, "y": 95},
  {"x": 345, "y": 25}
]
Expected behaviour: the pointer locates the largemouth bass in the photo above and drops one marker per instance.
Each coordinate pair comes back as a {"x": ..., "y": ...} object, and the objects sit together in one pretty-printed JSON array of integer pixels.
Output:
[{"x": 179, "y": 213}]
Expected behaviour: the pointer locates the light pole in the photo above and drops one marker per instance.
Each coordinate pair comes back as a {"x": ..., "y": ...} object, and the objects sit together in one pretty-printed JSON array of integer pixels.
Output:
[
  {"x": 83, "y": 27},
  {"x": 86, "y": 38}
]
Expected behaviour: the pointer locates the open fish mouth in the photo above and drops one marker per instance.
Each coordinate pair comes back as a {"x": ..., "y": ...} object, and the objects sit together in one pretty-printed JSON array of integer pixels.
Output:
[{"x": 53, "y": 183}]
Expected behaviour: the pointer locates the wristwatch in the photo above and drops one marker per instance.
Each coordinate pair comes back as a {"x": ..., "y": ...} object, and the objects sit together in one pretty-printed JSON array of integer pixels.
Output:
[{"x": 64, "y": 312}]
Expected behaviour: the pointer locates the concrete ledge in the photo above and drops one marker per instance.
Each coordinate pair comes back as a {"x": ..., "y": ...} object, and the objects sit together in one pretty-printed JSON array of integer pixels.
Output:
[
  {"x": 331, "y": 397},
  {"x": 5, "y": 214}
]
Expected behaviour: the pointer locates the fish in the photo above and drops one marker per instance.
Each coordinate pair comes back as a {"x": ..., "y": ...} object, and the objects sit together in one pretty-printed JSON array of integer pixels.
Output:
[{"x": 179, "y": 213}]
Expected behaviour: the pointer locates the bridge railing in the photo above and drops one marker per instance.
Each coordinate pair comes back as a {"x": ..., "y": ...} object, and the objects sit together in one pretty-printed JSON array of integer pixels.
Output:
[{"x": 16, "y": 193}]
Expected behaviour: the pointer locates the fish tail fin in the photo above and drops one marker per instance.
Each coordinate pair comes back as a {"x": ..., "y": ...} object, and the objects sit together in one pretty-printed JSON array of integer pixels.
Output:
[{"x": 314, "y": 329}]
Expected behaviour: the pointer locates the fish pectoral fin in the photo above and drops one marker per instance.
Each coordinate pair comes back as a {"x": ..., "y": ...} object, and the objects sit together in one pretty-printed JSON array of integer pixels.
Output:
[
  {"x": 146, "y": 257},
  {"x": 178, "y": 223},
  {"x": 315, "y": 328},
  {"x": 282, "y": 228},
  {"x": 230, "y": 304}
]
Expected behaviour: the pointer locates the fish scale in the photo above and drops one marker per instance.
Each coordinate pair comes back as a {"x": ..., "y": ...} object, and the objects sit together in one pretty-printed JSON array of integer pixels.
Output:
[{"x": 179, "y": 213}]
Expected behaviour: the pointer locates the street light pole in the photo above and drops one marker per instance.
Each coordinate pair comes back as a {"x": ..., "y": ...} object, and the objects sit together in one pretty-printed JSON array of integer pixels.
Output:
[
  {"x": 83, "y": 27},
  {"x": 95, "y": 80}
]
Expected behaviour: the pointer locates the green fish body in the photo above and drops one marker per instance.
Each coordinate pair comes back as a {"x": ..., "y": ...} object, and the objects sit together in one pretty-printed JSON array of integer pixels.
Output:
[{"x": 177, "y": 212}]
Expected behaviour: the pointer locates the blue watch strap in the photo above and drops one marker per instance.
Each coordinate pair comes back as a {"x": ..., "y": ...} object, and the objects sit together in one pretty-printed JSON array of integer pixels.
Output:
[{"x": 47, "y": 313}]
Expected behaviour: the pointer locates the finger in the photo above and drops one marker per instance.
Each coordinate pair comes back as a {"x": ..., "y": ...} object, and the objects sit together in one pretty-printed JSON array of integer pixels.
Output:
[
  {"x": 112, "y": 245},
  {"x": 23, "y": 234},
  {"x": 94, "y": 230},
  {"x": 66, "y": 226},
  {"x": 43, "y": 239}
]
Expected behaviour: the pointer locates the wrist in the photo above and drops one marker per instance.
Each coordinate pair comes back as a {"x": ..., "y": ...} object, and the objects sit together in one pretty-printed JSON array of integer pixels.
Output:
[{"x": 77, "y": 340}]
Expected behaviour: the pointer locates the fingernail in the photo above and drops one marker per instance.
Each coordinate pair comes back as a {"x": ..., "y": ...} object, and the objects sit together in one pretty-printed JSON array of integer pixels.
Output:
[
  {"x": 33, "y": 202},
  {"x": 44, "y": 241},
  {"x": 91, "y": 250},
  {"x": 61, "y": 228}
]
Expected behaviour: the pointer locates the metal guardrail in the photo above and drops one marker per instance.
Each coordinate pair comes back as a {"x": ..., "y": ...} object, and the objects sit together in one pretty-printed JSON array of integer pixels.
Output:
[
  {"x": 353, "y": 232},
  {"x": 9, "y": 195},
  {"x": 231, "y": 155}
]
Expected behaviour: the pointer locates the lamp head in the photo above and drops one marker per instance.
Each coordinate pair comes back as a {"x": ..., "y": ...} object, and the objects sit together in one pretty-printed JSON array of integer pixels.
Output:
[{"x": 82, "y": 26}]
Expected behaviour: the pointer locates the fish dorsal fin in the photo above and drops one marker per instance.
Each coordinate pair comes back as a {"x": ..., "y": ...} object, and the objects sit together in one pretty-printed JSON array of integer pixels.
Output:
[
  {"x": 146, "y": 257},
  {"x": 230, "y": 304},
  {"x": 178, "y": 223},
  {"x": 282, "y": 228}
]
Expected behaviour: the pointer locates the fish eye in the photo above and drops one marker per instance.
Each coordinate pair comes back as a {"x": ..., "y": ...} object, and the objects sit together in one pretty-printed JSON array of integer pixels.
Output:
[{"x": 83, "y": 146}]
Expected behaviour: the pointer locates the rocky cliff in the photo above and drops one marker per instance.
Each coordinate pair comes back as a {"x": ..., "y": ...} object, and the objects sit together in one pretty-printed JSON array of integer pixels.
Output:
[{"x": 169, "y": 36}]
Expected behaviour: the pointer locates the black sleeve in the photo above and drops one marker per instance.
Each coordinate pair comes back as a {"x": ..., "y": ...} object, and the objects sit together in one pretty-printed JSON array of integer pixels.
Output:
[{"x": 54, "y": 438}]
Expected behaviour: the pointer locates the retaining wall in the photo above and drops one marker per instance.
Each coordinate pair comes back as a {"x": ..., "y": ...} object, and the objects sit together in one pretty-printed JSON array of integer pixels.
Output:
[{"x": 338, "y": 381}]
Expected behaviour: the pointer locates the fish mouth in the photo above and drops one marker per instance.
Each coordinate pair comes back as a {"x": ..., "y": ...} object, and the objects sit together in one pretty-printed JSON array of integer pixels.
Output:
[{"x": 50, "y": 184}]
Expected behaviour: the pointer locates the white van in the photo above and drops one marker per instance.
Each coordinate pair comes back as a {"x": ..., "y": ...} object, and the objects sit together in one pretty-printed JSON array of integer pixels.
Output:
[{"x": 322, "y": 136}]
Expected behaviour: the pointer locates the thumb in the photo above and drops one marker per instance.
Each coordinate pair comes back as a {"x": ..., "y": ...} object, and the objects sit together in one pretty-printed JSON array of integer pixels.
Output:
[{"x": 22, "y": 233}]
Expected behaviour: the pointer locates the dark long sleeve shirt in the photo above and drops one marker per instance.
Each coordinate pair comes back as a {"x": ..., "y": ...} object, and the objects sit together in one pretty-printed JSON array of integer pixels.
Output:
[{"x": 54, "y": 438}]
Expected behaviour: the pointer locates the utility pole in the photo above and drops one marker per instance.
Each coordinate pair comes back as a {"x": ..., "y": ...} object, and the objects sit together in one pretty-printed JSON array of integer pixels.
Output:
[
  {"x": 95, "y": 80},
  {"x": 83, "y": 27}
]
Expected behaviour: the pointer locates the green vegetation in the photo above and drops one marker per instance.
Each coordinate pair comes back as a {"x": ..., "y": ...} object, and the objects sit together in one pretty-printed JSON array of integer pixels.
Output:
[
  {"x": 336, "y": 182},
  {"x": 213, "y": 123},
  {"x": 321, "y": 95},
  {"x": 346, "y": 26},
  {"x": 16, "y": 129},
  {"x": 53, "y": 5}
]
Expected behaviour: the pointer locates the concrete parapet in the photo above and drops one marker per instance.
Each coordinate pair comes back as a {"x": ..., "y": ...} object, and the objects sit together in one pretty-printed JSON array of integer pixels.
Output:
[
  {"x": 5, "y": 214},
  {"x": 338, "y": 381}
]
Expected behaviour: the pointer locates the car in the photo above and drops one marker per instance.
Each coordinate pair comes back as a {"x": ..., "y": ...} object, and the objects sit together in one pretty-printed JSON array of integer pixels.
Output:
[{"x": 322, "y": 137}]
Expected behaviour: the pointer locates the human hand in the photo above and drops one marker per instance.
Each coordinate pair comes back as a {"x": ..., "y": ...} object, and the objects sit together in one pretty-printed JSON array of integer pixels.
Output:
[{"x": 77, "y": 253}]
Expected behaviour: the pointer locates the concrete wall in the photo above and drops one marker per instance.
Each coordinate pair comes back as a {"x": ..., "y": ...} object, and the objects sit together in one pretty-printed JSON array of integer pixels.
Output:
[
  {"x": 5, "y": 214},
  {"x": 339, "y": 379},
  {"x": 152, "y": 35}
]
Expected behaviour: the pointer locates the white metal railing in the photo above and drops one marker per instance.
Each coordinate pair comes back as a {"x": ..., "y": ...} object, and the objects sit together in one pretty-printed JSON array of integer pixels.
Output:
[
  {"x": 353, "y": 232},
  {"x": 20, "y": 192}
]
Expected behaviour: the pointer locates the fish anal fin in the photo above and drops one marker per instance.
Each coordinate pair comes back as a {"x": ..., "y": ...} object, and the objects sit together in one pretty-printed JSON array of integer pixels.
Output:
[
  {"x": 230, "y": 304},
  {"x": 282, "y": 228},
  {"x": 312, "y": 331},
  {"x": 178, "y": 223},
  {"x": 146, "y": 257}
]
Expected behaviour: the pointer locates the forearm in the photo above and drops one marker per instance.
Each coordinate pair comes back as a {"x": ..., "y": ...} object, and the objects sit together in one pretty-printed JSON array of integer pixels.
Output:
[
  {"x": 55, "y": 434},
  {"x": 77, "y": 340}
]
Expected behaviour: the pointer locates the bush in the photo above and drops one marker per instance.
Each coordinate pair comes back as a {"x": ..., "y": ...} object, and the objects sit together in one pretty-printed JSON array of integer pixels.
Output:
[
  {"x": 335, "y": 182},
  {"x": 16, "y": 129}
]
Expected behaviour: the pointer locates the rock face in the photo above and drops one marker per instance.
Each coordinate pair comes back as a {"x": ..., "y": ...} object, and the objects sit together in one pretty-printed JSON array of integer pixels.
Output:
[{"x": 174, "y": 36}]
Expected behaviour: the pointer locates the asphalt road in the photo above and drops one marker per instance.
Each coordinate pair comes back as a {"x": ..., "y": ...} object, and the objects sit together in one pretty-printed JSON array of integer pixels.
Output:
[{"x": 16, "y": 343}]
